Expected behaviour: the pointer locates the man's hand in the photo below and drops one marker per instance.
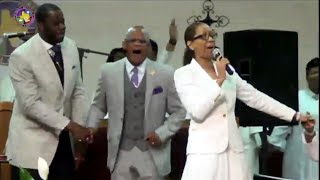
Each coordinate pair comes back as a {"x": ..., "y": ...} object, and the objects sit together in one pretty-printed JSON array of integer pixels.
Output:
[
  {"x": 79, "y": 132},
  {"x": 173, "y": 34},
  {"x": 308, "y": 125},
  {"x": 93, "y": 131},
  {"x": 153, "y": 139},
  {"x": 173, "y": 31},
  {"x": 238, "y": 121}
]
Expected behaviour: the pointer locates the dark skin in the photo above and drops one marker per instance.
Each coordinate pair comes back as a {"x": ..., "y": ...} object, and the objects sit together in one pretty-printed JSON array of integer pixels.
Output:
[
  {"x": 136, "y": 46},
  {"x": 313, "y": 84},
  {"x": 313, "y": 79},
  {"x": 309, "y": 127},
  {"x": 52, "y": 30}
]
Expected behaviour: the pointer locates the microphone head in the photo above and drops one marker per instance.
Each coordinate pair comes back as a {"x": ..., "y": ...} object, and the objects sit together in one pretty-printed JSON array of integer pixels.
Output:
[{"x": 216, "y": 53}]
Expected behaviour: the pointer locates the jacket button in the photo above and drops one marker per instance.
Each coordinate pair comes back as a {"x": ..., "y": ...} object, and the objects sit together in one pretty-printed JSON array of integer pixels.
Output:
[{"x": 224, "y": 115}]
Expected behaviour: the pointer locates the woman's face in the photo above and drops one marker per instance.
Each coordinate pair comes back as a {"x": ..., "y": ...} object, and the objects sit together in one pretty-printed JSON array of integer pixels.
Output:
[{"x": 203, "y": 42}]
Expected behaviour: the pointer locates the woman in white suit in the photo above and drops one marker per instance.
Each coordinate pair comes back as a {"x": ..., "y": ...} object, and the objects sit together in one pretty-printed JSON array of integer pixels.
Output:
[{"x": 215, "y": 150}]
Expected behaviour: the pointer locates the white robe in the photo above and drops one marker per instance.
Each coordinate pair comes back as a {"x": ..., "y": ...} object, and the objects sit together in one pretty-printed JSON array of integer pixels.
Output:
[
  {"x": 296, "y": 162},
  {"x": 252, "y": 143}
]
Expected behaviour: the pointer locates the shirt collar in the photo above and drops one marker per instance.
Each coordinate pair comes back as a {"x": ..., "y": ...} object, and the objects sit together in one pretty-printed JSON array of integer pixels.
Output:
[
  {"x": 46, "y": 44},
  {"x": 312, "y": 94},
  {"x": 141, "y": 67}
]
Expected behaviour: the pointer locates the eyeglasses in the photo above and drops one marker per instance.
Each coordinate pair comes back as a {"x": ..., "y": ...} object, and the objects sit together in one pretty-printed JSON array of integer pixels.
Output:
[
  {"x": 206, "y": 36},
  {"x": 141, "y": 41}
]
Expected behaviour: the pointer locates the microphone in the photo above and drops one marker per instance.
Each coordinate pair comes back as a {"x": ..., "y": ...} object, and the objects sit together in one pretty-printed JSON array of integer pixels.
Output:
[
  {"x": 19, "y": 34},
  {"x": 216, "y": 53}
]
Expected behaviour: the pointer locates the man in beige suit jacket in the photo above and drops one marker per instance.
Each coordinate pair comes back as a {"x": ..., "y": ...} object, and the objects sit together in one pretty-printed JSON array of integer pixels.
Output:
[
  {"x": 137, "y": 93},
  {"x": 50, "y": 99}
]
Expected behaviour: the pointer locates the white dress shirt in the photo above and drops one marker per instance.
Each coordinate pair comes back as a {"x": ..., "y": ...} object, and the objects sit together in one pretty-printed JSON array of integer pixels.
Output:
[
  {"x": 251, "y": 142},
  {"x": 141, "y": 71}
]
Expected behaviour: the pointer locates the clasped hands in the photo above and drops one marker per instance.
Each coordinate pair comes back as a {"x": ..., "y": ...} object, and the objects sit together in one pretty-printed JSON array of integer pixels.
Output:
[
  {"x": 81, "y": 133},
  {"x": 83, "y": 136},
  {"x": 308, "y": 122}
]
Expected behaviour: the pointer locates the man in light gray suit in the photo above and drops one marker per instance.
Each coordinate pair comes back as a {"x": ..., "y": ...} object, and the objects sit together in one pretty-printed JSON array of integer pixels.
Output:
[
  {"x": 137, "y": 93},
  {"x": 50, "y": 99}
]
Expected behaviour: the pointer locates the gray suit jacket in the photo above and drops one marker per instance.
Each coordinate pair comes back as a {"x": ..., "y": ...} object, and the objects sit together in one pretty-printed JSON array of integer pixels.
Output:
[
  {"x": 109, "y": 98},
  {"x": 42, "y": 108}
]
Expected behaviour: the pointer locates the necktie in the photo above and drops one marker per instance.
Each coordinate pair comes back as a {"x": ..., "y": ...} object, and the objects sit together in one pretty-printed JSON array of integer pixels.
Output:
[
  {"x": 134, "y": 77},
  {"x": 56, "y": 57}
]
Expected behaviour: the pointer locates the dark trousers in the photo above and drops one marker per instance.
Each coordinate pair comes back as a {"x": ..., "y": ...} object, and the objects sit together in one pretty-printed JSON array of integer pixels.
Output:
[{"x": 62, "y": 166}]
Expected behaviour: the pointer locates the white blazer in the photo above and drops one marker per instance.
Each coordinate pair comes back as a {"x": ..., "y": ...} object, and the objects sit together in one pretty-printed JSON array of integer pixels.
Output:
[
  {"x": 213, "y": 126},
  {"x": 43, "y": 107}
]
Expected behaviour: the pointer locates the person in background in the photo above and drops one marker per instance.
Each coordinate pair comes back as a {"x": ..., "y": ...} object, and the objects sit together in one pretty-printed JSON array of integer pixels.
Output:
[
  {"x": 296, "y": 161},
  {"x": 310, "y": 139},
  {"x": 252, "y": 145},
  {"x": 116, "y": 54}
]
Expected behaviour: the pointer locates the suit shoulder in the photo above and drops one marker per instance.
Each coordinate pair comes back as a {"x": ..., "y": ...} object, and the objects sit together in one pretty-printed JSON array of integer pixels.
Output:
[
  {"x": 23, "y": 49},
  {"x": 112, "y": 66},
  {"x": 22, "y": 52},
  {"x": 163, "y": 68}
]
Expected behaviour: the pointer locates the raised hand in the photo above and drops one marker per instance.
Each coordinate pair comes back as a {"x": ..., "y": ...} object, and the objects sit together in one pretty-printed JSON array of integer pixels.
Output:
[{"x": 173, "y": 32}]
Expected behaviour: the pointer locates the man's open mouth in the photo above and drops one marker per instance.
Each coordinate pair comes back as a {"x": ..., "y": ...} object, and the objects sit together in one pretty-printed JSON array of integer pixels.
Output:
[{"x": 136, "y": 51}]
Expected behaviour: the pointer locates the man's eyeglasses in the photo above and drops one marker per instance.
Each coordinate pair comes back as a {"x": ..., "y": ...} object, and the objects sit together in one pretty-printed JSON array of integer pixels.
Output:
[
  {"x": 206, "y": 36},
  {"x": 141, "y": 41}
]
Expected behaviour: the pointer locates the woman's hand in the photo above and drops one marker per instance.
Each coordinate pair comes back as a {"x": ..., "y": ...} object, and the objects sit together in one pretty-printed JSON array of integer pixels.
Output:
[{"x": 221, "y": 64}]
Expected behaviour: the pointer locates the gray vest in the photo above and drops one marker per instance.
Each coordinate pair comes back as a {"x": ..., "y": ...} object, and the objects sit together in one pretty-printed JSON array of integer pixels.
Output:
[{"x": 133, "y": 122}]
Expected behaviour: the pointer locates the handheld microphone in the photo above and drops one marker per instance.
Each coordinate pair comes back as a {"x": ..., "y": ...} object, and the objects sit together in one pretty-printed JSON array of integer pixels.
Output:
[
  {"x": 216, "y": 53},
  {"x": 19, "y": 34}
]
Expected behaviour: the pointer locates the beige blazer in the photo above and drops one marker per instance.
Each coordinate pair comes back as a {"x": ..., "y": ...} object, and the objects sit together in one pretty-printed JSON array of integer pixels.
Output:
[{"x": 42, "y": 108}]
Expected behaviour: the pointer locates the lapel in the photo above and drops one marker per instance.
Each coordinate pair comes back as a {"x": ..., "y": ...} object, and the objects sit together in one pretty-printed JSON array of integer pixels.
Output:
[
  {"x": 207, "y": 79},
  {"x": 151, "y": 75},
  {"x": 201, "y": 75},
  {"x": 67, "y": 63},
  {"x": 45, "y": 62},
  {"x": 119, "y": 82}
]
